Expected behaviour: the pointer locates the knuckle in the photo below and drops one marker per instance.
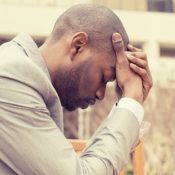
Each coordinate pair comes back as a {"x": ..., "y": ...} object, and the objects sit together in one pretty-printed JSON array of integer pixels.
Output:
[
  {"x": 137, "y": 69},
  {"x": 134, "y": 59},
  {"x": 144, "y": 73},
  {"x": 144, "y": 64},
  {"x": 144, "y": 55},
  {"x": 134, "y": 54}
]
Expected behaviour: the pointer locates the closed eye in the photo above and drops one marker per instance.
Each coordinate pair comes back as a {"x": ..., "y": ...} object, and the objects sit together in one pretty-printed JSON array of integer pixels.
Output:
[{"x": 104, "y": 80}]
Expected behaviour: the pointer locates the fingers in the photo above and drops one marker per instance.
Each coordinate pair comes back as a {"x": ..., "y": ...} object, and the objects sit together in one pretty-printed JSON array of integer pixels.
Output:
[
  {"x": 140, "y": 60},
  {"x": 139, "y": 64},
  {"x": 133, "y": 49},
  {"x": 139, "y": 54},
  {"x": 128, "y": 82},
  {"x": 137, "y": 60},
  {"x": 142, "y": 72},
  {"x": 118, "y": 46}
]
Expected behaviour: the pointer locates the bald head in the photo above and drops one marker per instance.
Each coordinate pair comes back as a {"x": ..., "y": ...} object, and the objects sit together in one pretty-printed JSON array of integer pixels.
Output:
[{"x": 97, "y": 21}]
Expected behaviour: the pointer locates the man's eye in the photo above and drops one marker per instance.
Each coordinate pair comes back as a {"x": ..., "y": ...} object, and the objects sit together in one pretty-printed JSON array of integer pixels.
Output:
[{"x": 103, "y": 79}]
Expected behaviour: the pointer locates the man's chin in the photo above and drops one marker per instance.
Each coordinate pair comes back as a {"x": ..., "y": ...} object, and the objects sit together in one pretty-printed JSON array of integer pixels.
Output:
[
  {"x": 73, "y": 107},
  {"x": 70, "y": 108}
]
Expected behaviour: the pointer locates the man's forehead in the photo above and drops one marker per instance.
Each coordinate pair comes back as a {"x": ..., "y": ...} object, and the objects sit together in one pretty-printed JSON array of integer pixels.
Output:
[{"x": 109, "y": 57}]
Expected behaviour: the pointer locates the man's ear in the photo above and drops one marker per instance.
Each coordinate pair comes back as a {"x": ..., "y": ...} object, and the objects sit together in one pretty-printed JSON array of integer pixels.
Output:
[{"x": 79, "y": 40}]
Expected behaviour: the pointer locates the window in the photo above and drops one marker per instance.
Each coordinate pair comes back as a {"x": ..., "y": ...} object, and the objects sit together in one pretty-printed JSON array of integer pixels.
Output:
[
  {"x": 160, "y": 5},
  {"x": 167, "y": 51}
]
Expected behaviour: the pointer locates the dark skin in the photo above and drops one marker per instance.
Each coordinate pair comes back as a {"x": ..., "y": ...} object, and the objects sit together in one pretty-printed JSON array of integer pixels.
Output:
[
  {"x": 139, "y": 64},
  {"x": 80, "y": 73},
  {"x": 133, "y": 63}
]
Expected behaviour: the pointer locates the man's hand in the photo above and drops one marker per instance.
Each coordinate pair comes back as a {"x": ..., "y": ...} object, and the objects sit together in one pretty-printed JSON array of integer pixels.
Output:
[
  {"x": 129, "y": 82},
  {"x": 139, "y": 64}
]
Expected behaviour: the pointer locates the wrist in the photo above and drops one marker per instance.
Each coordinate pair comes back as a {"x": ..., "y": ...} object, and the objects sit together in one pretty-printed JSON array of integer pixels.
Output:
[
  {"x": 132, "y": 105},
  {"x": 134, "y": 93}
]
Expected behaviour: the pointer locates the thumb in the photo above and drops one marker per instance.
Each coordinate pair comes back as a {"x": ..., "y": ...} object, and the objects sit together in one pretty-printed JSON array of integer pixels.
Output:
[{"x": 118, "y": 45}]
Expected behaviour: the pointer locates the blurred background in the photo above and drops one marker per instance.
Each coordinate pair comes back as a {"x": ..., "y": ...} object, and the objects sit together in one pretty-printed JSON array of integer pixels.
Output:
[{"x": 150, "y": 25}]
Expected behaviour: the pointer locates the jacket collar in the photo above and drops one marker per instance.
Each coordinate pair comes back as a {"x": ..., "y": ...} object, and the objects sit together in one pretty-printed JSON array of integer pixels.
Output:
[{"x": 32, "y": 51}]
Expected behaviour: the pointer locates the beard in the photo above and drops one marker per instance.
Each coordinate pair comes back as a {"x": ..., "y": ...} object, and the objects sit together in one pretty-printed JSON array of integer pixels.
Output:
[{"x": 67, "y": 85}]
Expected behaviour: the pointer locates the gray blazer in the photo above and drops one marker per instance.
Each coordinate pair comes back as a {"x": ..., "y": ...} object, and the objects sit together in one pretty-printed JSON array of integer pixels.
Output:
[{"x": 31, "y": 122}]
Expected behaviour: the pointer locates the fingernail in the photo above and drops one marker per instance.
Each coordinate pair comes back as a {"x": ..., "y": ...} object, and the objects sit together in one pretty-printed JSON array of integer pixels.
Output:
[{"x": 116, "y": 37}]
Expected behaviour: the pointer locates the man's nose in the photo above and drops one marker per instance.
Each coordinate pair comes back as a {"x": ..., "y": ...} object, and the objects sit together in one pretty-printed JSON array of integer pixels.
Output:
[{"x": 100, "y": 93}]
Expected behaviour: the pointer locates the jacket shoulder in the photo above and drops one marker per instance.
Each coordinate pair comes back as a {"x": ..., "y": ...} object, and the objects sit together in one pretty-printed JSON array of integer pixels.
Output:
[{"x": 16, "y": 66}]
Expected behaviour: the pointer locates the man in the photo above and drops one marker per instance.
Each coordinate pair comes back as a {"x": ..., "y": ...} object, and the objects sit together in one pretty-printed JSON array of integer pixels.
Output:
[{"x": 85, "y": 51}]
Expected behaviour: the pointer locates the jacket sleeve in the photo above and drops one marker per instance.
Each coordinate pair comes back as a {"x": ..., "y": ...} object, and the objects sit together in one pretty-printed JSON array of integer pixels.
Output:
[{"x": 31, "y": 142}]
